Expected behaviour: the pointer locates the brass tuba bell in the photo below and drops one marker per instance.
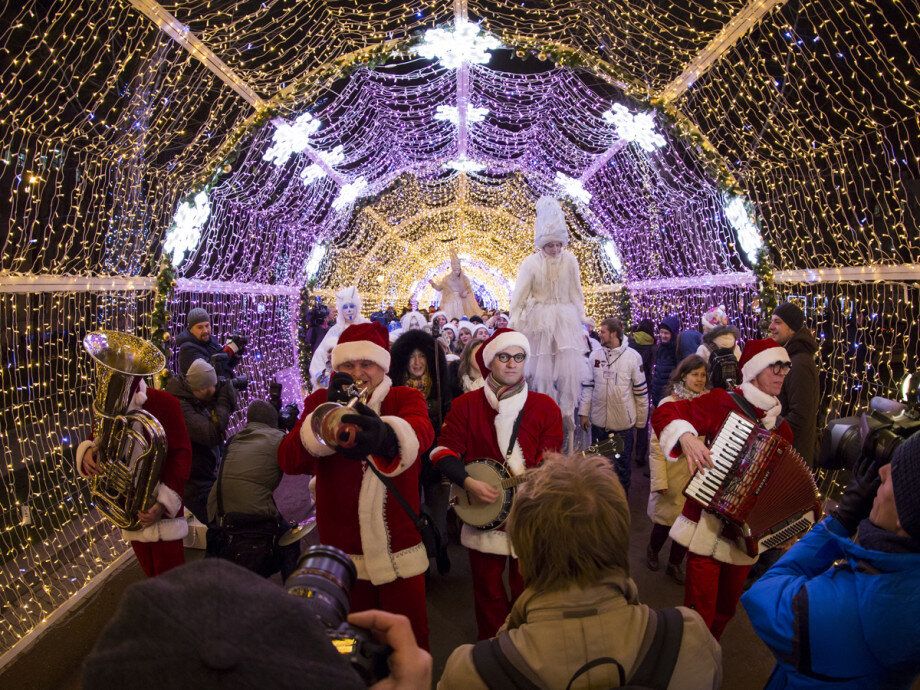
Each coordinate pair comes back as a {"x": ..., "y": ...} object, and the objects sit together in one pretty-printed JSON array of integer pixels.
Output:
[
  {"x": 326, "y": 421},
  {"x": 131, "y": 445}
]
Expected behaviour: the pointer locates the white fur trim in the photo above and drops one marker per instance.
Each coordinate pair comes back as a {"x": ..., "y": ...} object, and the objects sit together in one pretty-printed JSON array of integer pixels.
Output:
[
  {"x": 169, "y": 529},
  {"x": 408, "y": 445},
  {"x": 408, "y": 562},
  {"x": 487, "y": 541},
  {"x": 468, "y": 325},
  {"x": 172, "y": 502},
  {"x": 309, "y": 440},
  {"x": 78, "y": 459},
  {"x": 311, "y": 486},
  {"x": 502, "y": 342},
  {"x": 504, "y": 424},
  {"x": 671, "y": 434},
  {"x": 139, "y": 398},
  {"x": 762, "y": 360},
  {"x": 360, "y": 349},
  {"x": 704, "y": 539},
  {"x": 380, "y": 392}
]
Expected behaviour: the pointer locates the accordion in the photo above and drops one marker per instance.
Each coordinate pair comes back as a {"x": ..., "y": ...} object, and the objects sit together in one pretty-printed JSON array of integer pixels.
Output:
[{"x": 758, "y": 483}]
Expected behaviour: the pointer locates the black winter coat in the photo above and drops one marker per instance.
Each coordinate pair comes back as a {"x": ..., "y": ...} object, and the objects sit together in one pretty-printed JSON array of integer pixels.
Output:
[
  {"x": 190, "y": 349},
  {"x": 800, "y": 394}
]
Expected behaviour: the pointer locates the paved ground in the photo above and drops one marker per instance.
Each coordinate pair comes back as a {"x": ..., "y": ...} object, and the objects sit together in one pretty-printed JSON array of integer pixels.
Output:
[{"x": 746, "y": 662}]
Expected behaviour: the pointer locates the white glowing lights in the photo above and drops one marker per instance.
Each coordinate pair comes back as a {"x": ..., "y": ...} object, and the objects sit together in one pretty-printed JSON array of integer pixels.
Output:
[
  {"x": 451, "y": 113},
  {"x": 317, "y": 254},
  {"x": 349, "y": 193},
  {"x": 289, "y": 139},
  {"x": 465, "y": 165},
  {"x": 740, "y": 218},
  {"x": 636, "y": 127},
  {"x": 314, "y": 172},
  {"x": 613, "y": 255},
  {"x": 466, "y": 43},
  {"x": 574, "y": 188},
  {"x": 185, "y": 232}
]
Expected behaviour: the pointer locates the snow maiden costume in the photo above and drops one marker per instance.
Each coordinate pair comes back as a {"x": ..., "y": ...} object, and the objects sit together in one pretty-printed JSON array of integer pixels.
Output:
[
  {"x": 548, "y": 307},
  {"x": 457, "y": 299},
  {"x": 348, "y": 305}
]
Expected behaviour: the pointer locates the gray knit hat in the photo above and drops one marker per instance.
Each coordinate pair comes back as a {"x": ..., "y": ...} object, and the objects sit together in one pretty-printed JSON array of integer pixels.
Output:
[
  {"x": 200, "y": 375},
  {"x": 905, "y": 482},
  {"x": 196, "y": 316},
  {"x": 260, "y": 411},
  {"x": 212, "y": 624}
]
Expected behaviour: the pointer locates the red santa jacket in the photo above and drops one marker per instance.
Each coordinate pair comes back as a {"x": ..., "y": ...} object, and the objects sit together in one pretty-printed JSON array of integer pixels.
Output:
[
  {"x": 697, "y": 529},
  {"x": 479, "y": 426},
  {"x": 173, "y": 472},
  {"x": 354, "y": 510}
]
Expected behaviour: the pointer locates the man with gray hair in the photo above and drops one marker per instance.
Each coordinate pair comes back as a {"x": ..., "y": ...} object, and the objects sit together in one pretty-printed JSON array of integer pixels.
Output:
[{"x": 206, "y": 406}]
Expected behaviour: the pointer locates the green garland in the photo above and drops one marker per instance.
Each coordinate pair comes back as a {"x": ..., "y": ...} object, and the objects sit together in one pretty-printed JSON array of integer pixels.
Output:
[
  {"x": 160, "y": 316},
  {"x": 304, "y": 351},
  {"x": 624, "y": 308},
  {"x": 763, "y": 269}
]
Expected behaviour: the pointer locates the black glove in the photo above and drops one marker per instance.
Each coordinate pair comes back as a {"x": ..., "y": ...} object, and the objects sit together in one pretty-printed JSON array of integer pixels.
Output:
[
  {"x": 337, "y": 385},
  {"x": 236, "y": 344},
  {"x": 856, "y": 502},
  {"x": 375, "y": 437}
]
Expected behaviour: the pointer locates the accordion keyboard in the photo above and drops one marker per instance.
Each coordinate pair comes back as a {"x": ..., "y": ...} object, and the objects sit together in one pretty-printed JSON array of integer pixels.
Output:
[{"x": 727, "y": 448}]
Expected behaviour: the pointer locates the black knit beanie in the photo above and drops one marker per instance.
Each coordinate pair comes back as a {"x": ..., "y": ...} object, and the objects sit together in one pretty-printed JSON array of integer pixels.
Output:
[
  {"x": 791, "y": 314},
  {"x": 905, "y": 482}
]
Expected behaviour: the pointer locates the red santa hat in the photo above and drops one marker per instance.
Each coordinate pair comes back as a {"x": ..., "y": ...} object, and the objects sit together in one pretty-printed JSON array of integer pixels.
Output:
[
  {"x": 502, "y": 339},
  {"x": 758, "y": 355},
  {"x": 368, "y": 341}
]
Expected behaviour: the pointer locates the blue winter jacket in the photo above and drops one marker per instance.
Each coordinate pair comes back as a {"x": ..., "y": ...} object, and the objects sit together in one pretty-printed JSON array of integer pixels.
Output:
[
  {"x": 851, "y": 625},
  {"x": 665, "y": 361}
]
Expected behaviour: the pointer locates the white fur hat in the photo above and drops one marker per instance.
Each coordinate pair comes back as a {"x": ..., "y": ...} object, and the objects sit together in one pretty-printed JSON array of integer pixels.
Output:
[
  {"x": 406, "y": 319},
  {"x": 550, "y": 225},
  {"x": 348, "y": 295}
]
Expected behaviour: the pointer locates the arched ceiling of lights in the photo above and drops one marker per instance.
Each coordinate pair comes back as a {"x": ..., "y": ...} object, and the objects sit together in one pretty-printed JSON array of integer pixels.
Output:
[{"x": 285, "y": 131}]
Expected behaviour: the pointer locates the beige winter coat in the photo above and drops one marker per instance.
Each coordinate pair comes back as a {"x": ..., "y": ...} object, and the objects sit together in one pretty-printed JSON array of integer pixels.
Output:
[
  {"x": 558, "y": 632},
  {"x": 666, "y": 473}
]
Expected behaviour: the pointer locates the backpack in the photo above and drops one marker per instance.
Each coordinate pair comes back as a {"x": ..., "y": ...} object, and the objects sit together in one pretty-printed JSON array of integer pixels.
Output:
[
  {"x": 723, "y": 367},
  {"x": 500, "y": 666}
]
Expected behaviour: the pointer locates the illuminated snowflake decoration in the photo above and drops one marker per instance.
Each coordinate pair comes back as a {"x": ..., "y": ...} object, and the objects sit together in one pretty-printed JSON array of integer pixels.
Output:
[
  {"x": 740, "y": 218},
  {"x": 291, "y": 139},
  {"x": 465, "y": 165},
  {"x": 451, "y": 113},
  {"x": 466, "y": 43},
  {"x": 185, "y": 232},
  {"x": 317, "y": 254},
  {"x": 637, "y": 127},
  {"x": 350, "y": 193},
  {"x": 613, "y": 256},
  {"x": 574, "y": 188},
  {"x": 311, "y": 173}
]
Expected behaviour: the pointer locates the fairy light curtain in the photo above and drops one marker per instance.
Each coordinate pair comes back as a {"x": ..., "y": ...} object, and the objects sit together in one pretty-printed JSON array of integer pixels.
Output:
[{"x": 108, "y": 124}]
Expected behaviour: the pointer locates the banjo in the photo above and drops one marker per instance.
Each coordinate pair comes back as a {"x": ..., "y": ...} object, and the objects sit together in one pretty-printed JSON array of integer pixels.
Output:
[{"x": 486, "y": 516}]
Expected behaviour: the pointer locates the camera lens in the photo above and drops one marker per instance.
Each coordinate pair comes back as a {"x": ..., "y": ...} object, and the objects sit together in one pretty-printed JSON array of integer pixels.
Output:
[{"x": 324, "y": 576}]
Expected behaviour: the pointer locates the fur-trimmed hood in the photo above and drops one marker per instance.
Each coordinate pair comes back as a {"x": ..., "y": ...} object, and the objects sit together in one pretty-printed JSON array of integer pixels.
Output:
[
  {"x": 401, "y": 351},
  {"x": 719, "y": 331}
]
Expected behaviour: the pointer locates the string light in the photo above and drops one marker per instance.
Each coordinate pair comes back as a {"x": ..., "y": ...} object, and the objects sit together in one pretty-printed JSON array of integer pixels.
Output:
[
  {"x": 465, "y": 43},
  {"x": 291, "y": 138}
]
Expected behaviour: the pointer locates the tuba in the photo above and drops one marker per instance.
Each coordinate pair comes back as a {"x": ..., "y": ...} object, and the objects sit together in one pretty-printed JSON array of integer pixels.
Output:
[
  {"x": 130, "y": 445},
  {"x": 326, "y": 422}
]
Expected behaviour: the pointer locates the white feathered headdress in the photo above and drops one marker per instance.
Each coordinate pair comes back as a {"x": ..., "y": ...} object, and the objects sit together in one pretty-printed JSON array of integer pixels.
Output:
[
  {"x": 550, "y": 225},
  {"x": 347, "y": 295}
]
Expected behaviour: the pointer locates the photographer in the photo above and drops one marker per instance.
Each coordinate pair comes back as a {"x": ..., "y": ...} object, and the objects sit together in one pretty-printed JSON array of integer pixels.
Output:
[
  {"x": 197, "y": 342},
  {"x": 843, "y": 613},
  {"x": 206, "y": 406}
]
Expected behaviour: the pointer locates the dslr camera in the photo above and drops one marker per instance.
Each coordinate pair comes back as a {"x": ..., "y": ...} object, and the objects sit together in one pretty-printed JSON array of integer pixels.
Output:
[
  {"x": 318, "y": 314},
  {"x": 323, "y": 578},
  {"x": 221, "y": 364},
  {"x": 287, "y": 414},
  {"x": 876, "y": 433}
]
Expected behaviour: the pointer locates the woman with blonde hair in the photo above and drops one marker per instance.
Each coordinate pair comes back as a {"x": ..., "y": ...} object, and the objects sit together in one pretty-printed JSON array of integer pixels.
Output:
[{"x": 669, "y": 476}]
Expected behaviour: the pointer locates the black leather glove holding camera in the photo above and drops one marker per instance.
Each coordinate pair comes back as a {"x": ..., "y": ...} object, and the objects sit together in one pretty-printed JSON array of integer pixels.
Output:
[
  {"x": 337, "y": 385},
  {"x": 856, "y": 502},
  {"x": 236, "y": 344},
  {"x": 375, "y": 437}
]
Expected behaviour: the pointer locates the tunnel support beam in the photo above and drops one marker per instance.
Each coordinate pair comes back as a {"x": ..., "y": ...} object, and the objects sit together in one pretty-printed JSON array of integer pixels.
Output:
[
  {"x": 733, "y": 31},
  {"x": 180, "y": 33}
]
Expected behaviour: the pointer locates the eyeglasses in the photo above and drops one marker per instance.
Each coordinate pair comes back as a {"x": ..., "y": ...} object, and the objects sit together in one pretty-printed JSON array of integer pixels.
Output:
[
  {"x": 504, "y": 357},
  {"x": 780, "y": 367}
]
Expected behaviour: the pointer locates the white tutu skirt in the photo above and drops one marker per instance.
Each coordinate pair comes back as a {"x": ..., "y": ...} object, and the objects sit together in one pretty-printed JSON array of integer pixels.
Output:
[{"x": 557, "y": 352}]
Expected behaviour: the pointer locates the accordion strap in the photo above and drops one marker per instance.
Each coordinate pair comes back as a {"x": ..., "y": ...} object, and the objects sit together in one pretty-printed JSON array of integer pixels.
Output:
[{"x": 746, "y": 407}]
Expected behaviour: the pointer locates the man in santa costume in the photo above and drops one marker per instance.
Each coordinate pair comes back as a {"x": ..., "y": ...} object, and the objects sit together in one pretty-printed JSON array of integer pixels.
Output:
[
  {"x": 480, "y": 424},
  {"x": 354, "y": 509},
  {"x": 158, "y": 542},
  {"x": 717, "y": 562}
]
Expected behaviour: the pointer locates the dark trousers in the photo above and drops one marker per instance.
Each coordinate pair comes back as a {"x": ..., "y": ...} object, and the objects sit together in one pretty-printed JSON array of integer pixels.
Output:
[
  {"x": 657, "y": 539},
  {"x": 641, "y": 450},
  {"x": 622, "y": 462}
]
